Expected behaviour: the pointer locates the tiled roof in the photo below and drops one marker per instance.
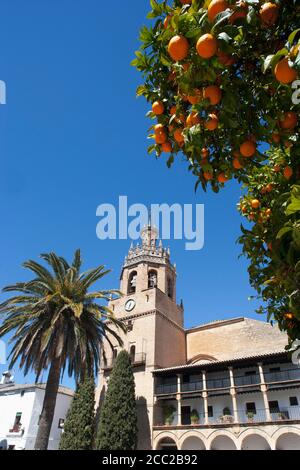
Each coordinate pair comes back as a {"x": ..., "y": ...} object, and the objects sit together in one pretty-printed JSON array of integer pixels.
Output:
[
  {"x": 216, "y": 323},
  {"x": 230, "y": 360},
  {"x": 15, "y": 387}
]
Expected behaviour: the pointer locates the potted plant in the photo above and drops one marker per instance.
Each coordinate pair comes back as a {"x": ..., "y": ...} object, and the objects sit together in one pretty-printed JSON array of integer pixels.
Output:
[
  {"x": 250, "y": 416},
  {"x": 227, "y": 417},
  {"x": 194, "y": 417},
  {"x": 168, "y": 414}
]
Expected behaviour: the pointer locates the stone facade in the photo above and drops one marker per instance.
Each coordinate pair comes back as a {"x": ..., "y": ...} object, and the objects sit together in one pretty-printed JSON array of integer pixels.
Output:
[{"x": 224, "y": 365}]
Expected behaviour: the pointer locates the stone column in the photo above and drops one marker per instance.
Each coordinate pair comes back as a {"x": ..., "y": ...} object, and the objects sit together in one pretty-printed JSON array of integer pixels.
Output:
[
  {"x": 204, "y": 396},
  {"x": 178, "y": 398},
  {"x": 263, "y": 389},
  {"x": 233, "y": 395}
]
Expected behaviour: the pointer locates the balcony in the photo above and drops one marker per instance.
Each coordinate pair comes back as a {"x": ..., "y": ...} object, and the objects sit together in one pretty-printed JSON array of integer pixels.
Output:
[
  {"x": 137, "y": 360},
  {"x": 283, "y": 376},
  {"x": 16, "y": 431},
  {"x": 260, "y": 416}
]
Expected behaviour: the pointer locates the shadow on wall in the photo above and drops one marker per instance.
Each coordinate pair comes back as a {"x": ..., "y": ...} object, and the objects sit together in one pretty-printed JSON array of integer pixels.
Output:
[
  {"x": 3, "y": 444},
  {"x": 144, "y": 430}
]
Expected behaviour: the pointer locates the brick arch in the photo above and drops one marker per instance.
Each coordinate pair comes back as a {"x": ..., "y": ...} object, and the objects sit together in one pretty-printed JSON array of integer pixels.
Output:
[
  {"x": 255, "y": 432},
  {"x": 192, "y": 434},
  {"x": 162, "y": 435},
  {"x": 201, "y": 357},
  {"x": 222, "y": 433}
]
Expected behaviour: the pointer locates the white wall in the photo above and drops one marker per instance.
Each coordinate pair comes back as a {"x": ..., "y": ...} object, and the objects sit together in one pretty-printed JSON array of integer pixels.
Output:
[{"x": 30, "y": 405}]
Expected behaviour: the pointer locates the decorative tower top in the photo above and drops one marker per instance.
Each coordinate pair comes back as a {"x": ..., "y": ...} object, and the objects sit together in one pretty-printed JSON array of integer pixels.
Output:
[{"x": 149, "y": 250}]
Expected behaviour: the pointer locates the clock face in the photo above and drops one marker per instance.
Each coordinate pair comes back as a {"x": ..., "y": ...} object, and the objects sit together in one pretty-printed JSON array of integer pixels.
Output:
[{"x": 130, "y": 304}]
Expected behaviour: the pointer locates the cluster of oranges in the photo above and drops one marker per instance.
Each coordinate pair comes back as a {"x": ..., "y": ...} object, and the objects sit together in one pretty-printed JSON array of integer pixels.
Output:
[{"x": 171, "y": 131}]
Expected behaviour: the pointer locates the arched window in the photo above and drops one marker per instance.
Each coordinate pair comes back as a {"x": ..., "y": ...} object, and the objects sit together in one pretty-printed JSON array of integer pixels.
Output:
[
  {"x": 132, "y": 283},
  {"x": 132, "y": 353},
  {"x": 170, "y": 288},
  {"x": 152, "y": 279}
]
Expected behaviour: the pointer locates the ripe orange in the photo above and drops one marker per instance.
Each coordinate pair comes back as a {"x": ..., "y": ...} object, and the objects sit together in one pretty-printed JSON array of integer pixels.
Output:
[
  {"x": 269, "y": 187},
  {"x": 178, "y": 48},
  {"x": 269, "y": 13},
  {"x": 207, "y": 46},
  {"x": 160, "y": 138},
  {"x": 239, "y": 13},
  {"x": 178, "y": 136},
  {"x": 205, "y": 153},
  {"x": 288, "y": 172},
  {"x": 166, "y": 147},
  {"x": 158, "y": 108},
  {"x": 216, "y": 7},
  {"x": 186, "y": 2},
  {"x": 248, "y": 148},
  {"x": 284, "y": 73},
  {"x": 193, "y": 119},
  {"x": 289, "y": 120},
  {"x": 224, "y": 58},
  {"x": 255, "y": 203},
  {"x": 213, "y": 94},
  {"x": 289, "y": 316},
  {"x": 159, "y": 128},
  {"x": 167, "y": 21},
  {"x": 172, "y": 110},
  {"x": 276, "y": 168},
  {"x": 268, "y": 212},
  {"x": 207, "y": 175},
  {"x": 222, "y": 178},
  {"x": 237, "y": 164},
  {"x": 275, "y": 137},
  {"x": 212, "y": 123}
]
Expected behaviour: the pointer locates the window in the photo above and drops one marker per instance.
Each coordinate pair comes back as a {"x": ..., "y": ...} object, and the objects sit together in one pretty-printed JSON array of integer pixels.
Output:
[
  {"x": 251, "y": 408},
  {"x": 186, "y": 415},
  {"x": 115, "y": 353},
  {"x": 129, "y": 325},
  {"x": 61, "y": 423},
  {"x": 274, "y": 407},
  {"x": 132, "y": 282},
  {"x": 132, "y": 353},
  {"x": 250, "y": 372},
  {"x": 17, "y": 424},
  {"x": 186, "y": 379},
  {"x": 170, "y": 288},
  {"x": 11, "y": 447},
  {"x": 22, "y": 393},
  {"x": 293, "y": 401},
  {"x": 210, "y": 410},
  {"x": 152, "y": 279}
]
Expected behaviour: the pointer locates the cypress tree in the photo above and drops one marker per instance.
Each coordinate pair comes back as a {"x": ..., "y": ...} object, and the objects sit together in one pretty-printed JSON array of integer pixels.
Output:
[
  {"x": 118, "y": 417},
  {"x": 79, "y": 425}
]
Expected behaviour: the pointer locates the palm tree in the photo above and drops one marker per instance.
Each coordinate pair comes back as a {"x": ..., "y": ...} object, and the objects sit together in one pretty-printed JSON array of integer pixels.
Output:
[{"x": 57, "y": 324}]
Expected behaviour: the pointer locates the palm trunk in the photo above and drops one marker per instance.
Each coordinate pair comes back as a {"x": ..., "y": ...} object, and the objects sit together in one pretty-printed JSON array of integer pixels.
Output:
[{"x": 47, "y": 414}]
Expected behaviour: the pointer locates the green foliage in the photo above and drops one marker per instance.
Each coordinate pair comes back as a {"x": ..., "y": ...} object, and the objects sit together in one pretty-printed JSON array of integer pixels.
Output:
[
  {"x": 252, "y": 99},
  {"x": 118, "y": 415},
  {"x": 254, "y": 105},
  {"x": 272, "y": 243},
  {"x": 79, "y": 425},
  {"x": 168, "y": 413}
]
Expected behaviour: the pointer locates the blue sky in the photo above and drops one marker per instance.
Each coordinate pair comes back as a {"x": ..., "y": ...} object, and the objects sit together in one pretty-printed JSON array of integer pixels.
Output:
[{"x": 73, "y": 136}]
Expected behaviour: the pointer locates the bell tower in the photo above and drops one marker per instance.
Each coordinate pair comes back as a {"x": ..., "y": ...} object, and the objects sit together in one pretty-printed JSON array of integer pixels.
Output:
[
  {"x": 148, "y": 279},
  {"x": 155, "y": 335}
]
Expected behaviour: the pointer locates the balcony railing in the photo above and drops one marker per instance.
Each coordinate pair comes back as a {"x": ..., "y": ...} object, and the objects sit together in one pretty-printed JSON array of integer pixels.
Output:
[
  {"x": 283, "y": 375},
  {"x": 239, "y": 381},
  {"x": 247, "y": 380},
  {"x": 291, "y": 413},
  {"x": 137, "y": 360}
]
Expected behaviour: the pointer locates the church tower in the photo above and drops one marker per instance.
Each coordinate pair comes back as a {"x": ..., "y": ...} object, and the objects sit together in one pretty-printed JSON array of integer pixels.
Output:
[{"x": 155, "y": 335}]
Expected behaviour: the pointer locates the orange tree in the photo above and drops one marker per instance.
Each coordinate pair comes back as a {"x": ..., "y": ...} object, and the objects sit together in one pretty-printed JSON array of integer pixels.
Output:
[{"x": 220, "y": 77}]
